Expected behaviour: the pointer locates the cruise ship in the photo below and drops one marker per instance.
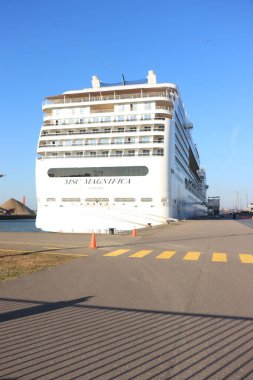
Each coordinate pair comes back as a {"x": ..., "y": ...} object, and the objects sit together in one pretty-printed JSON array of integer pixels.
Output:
[{"x": 117, "y": 157}]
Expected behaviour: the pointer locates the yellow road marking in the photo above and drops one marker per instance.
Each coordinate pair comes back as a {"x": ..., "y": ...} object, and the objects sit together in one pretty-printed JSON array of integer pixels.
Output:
[
  {"x": 193, "y": 256},
  {"x": 117, "y": 252},
  {"x": 166, "y": 255},
  {"x": 141, "y": 253},
  {"x": 219, "y": 257},
  {"x": 246, "y": 258}
]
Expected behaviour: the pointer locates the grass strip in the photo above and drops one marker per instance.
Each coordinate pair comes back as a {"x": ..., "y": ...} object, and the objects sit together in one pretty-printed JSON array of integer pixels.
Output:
[{"x": 15, "y": 265}]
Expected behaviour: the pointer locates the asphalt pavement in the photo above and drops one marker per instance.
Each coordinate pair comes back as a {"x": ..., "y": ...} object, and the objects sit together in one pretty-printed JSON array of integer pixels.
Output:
[{"x": 174, "y": 302}]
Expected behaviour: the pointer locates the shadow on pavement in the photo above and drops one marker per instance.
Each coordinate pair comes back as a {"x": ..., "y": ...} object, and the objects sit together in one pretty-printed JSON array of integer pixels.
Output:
[{"x": 74, "y": 340}]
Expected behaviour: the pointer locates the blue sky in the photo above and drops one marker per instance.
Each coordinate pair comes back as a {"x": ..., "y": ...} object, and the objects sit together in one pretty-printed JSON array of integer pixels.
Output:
[{"x": 204, "y": 46}]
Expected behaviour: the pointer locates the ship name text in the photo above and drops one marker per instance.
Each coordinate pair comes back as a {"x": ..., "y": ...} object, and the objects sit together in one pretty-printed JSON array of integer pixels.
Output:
[{"x": 98, "y": 181}]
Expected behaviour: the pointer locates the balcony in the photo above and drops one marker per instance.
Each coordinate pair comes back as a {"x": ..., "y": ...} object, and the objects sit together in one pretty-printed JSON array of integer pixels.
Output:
[
  {"x": 140, "y": 128},
  {"x": 96, "y": 142},
  {"x": 99, "y": 119},
  {"x": 88, "y": 155},
  {"x": 65, "y": 99}
]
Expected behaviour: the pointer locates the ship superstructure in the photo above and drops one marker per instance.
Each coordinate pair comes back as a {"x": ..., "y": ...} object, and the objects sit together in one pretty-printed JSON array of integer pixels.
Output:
[{"x": 117, "y": 156}]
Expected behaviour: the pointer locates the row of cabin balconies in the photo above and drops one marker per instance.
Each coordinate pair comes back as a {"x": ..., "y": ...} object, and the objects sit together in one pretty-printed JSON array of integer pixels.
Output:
[
  {"x": 184, "y": 165},
  {"x": 115, "y": 118},
  {"x": 106, "y": 131},
  {"x": 67, "y": 99},
  {"x": 96, "y": 142},
  {"x": 96, "y": 111},
  {"x": 103, "y": 153}
]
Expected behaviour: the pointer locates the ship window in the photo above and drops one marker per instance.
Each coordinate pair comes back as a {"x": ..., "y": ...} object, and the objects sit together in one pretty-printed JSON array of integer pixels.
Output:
[
  {"x": 146, "y": 152},
  {"x": 96, "y": 199},
  {"x": 145, "y": 139},
  {"x": 133, "y": 107},
  {"x": 146, "y": 117},
  {"x": 105, "y": 153},
  {"x": 117, "y": 171},
  {"x": 124, "y": 199},
  {"x": 121, "y": 107},
  {"x": 131, "y": 153},
  {"x": 159, "y": 128},
  {"x": 71, "y": 199},
  {"x": 119, "y": 140},
  {"x": 159, "y": 152},
  {"x": 146, "y": 199},
  {"x": 93, "y": 154},
  {"x": 104, "y": 141}
]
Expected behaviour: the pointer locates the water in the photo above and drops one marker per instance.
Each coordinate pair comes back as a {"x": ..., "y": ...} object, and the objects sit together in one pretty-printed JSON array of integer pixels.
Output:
[
  {"x": 20, "y": 225},
  {"x": 28, "y": 225}
]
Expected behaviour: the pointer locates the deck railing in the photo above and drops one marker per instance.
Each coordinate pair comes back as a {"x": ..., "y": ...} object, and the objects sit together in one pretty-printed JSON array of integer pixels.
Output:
[
  {"x": 62, "y": 156},
  {"x": 102, "y": 98}
]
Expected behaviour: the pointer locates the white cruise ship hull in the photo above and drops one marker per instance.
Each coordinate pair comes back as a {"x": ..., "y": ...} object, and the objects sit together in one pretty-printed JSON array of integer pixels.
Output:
[
  {"x": 117, "y": 157},
  {"x": 98, "y": 204}
]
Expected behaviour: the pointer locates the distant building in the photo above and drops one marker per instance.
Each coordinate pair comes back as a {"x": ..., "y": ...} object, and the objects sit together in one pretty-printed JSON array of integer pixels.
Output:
[{"x": 213, "y": 206}]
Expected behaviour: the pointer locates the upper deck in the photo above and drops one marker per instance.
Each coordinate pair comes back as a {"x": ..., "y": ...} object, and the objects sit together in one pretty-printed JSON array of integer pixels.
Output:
[{"x": 123, "y": 92}]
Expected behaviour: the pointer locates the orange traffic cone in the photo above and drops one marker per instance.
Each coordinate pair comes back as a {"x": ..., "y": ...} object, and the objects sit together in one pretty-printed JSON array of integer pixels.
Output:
[
  {"x": 93, "y": 243},
  {"x": 134, "y": 232}
]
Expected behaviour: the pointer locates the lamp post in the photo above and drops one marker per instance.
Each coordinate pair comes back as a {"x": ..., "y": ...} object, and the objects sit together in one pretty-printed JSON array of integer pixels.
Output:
[
  {"x": 247, "y": 201},
  {"x": 237, "y": 201}
]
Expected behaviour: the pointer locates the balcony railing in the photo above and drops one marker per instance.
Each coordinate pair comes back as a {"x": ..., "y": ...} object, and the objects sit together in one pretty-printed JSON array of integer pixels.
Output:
[
  {"x": 104, "y": 119},
  {"x": 98, "y": 143},
  {"x": 102, "y": 98},
  {"x": 68, "y": 133},
  {"x": 99, "y": 122},
  {"x": 138, "y": 154}
]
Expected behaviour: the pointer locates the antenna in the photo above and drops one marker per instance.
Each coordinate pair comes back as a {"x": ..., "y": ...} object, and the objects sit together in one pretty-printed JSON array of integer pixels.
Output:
[{"x": 124, "y": 82}]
